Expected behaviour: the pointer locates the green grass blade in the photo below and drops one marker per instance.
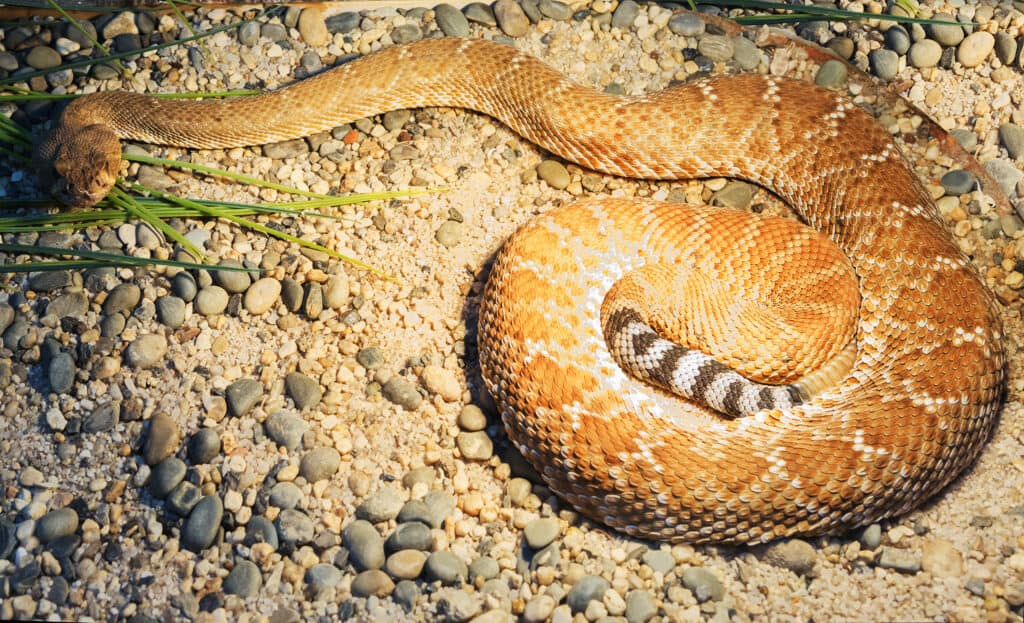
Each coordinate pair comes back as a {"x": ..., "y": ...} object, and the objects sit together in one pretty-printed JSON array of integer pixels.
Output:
[
  {"x": 93, "y": 258},
  {"x": 243, "y": 222},
  {"x": 122, "y": 199}
]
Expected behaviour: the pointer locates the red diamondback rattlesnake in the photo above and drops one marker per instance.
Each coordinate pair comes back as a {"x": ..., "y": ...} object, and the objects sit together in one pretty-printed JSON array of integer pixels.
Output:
[{"x": 873, "y": 386}]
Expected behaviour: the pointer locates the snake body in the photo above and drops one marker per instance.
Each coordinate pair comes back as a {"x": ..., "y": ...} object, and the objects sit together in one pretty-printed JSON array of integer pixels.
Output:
[{"x": 918, "y": 383}]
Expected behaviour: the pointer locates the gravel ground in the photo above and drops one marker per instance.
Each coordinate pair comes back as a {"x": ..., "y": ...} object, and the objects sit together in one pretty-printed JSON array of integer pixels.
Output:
[{"x": 312, "y": 442}]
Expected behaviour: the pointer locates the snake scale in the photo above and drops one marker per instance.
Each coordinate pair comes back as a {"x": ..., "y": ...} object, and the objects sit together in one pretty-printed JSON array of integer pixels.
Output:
[{"x": 876, "y": 383}]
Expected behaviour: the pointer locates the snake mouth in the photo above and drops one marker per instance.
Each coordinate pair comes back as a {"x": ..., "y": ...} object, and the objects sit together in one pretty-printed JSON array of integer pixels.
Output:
[{"x": 74, "y": 196}]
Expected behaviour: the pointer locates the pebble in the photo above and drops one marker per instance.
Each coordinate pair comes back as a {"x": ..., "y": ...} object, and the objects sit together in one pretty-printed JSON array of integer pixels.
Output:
[
  {"x": 686, "y": 24},
  {"x": 304, "y": 391},
  {"x": 162, "y": 441},
  {"x": 451, "y": 21},
  {"x": 242, "y": 396},
  {"x": 43, "y": 57},
  {"x": 480, "y": 13},
  {"x": 438, "y": 380},
  {"x": 200, "y": 529},
  {"x": 555, "y": 9},
  {"x": 244, "y": 579},
  {"x": 365, "y": 545},
  {"x": 736, "y": 195},
  {"x": 322, "y": 578},
  {"x": 406, "y": 33},
  {"x": 897, "y": 39},
  {"x": 1005, "y": 48},
  {"x": 211, "y": 301},
  {"x": 940, "y": 558},
  {"x": 539, "y": 609},
  {"x": 409, "y": 535},
  {"x": 372, "y": 582},
  {"x": 405, "y": 564},
  {"x": 586, "y": 589},
  {"x": 31, "y": 477},
  {"x": 483, "y": 567},
  {"x": 704, "y": 584},
  {"x": 659, "y": 560},
  {"x": 554, "y": 172},
  {"x": 1005, "y": 174},
  {"x": 475, "y": 446},
  {"x": 146, "y": 351},
  {"x": 901, "y": 560},
  {"x": 459, "y": 605},
  {"x": 445, "y": 567},
  {"x": 947, "y": 35},
  {"x": 294, "y": 527},
  {"x": 402, "y": 392},
  {"x": 336, "y": 290},
  {"x": 233, "y": 281},
  {"x": 745, "y": 53},
  {"x": 61, "y": 373},
  {"x": 170, "y": 311},
  {"x": 1012, "y": 137},
  {"x": 56, "y": 524},
  {"x": 320, "y": 464},
  {"x": 261, "y": 296},
  {"x": 718, "y": 48},
  {"x": 957, "y": 182},
  {"x": 285, "y": 495},
  {"x": 975, "y": 48},
  {"x": 261, "y": 530},
  {"x": 796, "y": 555},
  {"x": 122, "y": 299},
  {"x": 884, "y": 63},
  {"x": 203, "y": 446},
  {"x": 72, "y": 304},
  {"x": 640, "y": 606},
  {"x": 924, "y": 53},
  {"x": 449, "y": 233},
  {"x": 370, "y": 358},
  {"x": 381, "y": 506},
  {"x": 285, "y": 429},
  {"x": 184, "y": 498},
  {"x": 183, "y": 286},
  {"x": 166, "y": 476},
  {"x": 56, "y": 420},
  {"x": 540, "y": 533},
  {"x": 511, "y": 18},
  {"x": 625, "y": 15},
  {"x": 343, "y": 23},
  {"x": 313, "y": 28}
]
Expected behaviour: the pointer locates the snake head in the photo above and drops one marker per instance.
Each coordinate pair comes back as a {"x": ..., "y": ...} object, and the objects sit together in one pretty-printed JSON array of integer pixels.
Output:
[{"x": 80, "y": 166}]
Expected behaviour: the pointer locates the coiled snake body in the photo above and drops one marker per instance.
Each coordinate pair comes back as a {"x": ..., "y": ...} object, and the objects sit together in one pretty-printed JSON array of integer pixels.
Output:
[{"x": 874, "y": 386}]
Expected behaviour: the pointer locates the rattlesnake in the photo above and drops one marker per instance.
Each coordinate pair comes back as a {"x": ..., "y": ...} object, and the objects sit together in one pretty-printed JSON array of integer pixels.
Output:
[{"x": 891, "y": 393}]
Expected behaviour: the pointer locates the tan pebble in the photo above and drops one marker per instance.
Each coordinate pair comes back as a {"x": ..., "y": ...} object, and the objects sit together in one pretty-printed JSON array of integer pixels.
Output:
[
  {"x": 220, "y": 345},
  {"x": 115, "y": 490},
  {"x": 488, "y": 514},
  {"x": 460, "y": 482},
  {"x": 243, "y": 515},
  {"x": 292, "y": 573},
  {"x": 1016, "y": 562},
  {"x": 897, "y": 533},
  {"x": 262, "y": 296},
  {"x": 232, "y": 501},
  {"x": 317, "y": 275},
  {"x": 975, "y": 49},
  {"x": 442, "y": 382},
  {"x": 287, "y": 473},
  {"x": 313, "y": 27},
  {"x": 544, "y": 575},
  {"x": 217, "y": 408},
  {"x": 106, "y": 368},
  {"x": 472, "y": 502}
]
